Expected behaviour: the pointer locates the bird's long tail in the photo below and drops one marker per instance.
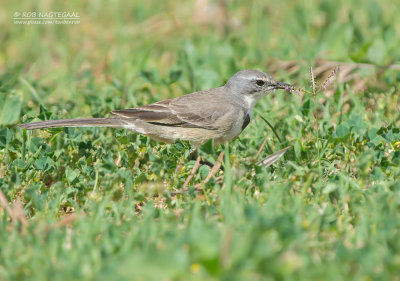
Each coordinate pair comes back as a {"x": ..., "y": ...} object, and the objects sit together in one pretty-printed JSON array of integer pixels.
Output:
[{"x": 84, "y": 122}]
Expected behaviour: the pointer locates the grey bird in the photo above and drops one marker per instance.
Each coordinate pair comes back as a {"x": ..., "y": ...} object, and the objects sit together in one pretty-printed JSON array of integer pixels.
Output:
[{"x": 220, "y": 113}]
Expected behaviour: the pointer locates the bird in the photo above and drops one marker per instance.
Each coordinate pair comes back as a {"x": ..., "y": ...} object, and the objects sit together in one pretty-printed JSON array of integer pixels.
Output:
[{"x": 220, "y": 113}]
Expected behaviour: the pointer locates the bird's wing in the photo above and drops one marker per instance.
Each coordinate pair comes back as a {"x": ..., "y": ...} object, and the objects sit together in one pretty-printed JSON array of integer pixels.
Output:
[
  {"x": 158, "y": 112},
  {"x": 198, "y": 110}
]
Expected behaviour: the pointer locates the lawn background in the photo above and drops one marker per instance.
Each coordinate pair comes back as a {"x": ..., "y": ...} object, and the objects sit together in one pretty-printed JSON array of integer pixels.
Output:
[{"x": 100, "y": 203}]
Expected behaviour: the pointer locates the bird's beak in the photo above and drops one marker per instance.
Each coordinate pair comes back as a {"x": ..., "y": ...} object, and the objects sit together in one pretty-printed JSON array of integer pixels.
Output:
[{"x": 280, "y": 85}]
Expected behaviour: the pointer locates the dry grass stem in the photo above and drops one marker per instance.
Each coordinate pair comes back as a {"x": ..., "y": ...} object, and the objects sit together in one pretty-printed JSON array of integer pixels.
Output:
[
  {"x": 271, "y": 159},
  {"x": 215, "y": 168},
  {"x": 260, "y": 149},
  {"x": 194, "y": 170}
]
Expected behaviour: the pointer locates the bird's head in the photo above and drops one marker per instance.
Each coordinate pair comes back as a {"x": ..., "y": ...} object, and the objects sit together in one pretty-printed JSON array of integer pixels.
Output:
[{"x": 253, "y": 84}]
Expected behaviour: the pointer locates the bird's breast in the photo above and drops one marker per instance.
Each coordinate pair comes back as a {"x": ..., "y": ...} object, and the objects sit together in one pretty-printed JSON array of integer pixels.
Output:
[{"x": 241, "y": 120}]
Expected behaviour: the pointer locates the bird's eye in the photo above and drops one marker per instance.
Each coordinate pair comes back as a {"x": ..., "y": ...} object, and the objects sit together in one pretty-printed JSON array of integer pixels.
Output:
[{"x": 260, "y": 82}]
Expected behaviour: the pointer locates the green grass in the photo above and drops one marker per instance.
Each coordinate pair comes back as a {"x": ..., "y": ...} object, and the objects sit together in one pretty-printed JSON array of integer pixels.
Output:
[{"x": 328, "y": 210}]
